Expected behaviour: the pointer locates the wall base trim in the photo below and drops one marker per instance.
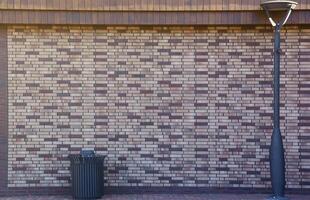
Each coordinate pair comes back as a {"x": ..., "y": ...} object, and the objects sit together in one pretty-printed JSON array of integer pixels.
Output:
[{"x": 146, "y": 190}]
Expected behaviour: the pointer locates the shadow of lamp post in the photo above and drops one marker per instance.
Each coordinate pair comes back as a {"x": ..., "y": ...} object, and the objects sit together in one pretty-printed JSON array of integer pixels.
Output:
[{"x": 276, "y": 155}]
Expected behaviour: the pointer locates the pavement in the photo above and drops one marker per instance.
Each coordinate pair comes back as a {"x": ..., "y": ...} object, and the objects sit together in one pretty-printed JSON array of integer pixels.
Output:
[{"x": 165, "y": 197}]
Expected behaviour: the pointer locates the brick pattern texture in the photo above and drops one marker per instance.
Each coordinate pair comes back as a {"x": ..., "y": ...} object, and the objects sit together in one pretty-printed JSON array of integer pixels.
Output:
[{"x": 169, "y": 106}]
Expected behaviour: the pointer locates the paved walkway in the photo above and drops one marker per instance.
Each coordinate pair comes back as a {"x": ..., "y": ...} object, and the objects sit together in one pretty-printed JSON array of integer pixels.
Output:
[{"x": 166, "y": 197}]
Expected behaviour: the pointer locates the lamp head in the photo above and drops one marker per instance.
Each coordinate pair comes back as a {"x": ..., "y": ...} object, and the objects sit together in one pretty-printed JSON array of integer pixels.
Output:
[{"x": 278, "y": 5}]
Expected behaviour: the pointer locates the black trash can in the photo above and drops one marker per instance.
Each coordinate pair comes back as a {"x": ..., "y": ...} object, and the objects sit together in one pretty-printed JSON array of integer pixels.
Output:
[{"x": 86, "y": 175}]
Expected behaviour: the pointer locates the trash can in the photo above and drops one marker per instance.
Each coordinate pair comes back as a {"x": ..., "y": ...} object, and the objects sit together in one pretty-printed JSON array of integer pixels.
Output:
[{"x": 86, "y": 175}]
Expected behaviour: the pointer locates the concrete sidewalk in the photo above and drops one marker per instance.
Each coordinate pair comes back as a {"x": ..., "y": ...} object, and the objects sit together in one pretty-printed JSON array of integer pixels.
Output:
[{"x": 166, "y": 197}]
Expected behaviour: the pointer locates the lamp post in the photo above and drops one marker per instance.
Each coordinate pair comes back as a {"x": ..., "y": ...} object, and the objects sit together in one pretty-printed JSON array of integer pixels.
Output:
[{"x": 276, "y": 154}]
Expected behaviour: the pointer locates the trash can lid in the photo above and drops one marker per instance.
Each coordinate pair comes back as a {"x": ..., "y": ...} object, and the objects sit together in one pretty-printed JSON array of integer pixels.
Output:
[
  {"x": 80, "y": 158},
  {"x": 87, "y": 153}
]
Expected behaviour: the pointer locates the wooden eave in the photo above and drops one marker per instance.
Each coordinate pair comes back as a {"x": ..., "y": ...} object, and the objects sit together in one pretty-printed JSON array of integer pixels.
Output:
[{"x": 142, "y": 12}]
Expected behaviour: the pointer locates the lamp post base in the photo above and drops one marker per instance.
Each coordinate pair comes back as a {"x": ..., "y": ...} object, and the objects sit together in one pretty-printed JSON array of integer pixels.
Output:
[{"x": 277, "y": 198}]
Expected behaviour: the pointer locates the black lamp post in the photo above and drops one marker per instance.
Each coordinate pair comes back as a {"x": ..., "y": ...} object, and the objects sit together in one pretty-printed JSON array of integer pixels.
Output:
[{"x": 276, "y": 155}]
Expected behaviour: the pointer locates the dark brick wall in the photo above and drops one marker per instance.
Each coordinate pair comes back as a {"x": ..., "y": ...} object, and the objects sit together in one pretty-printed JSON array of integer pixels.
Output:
[{"x": 3, "y": 109}]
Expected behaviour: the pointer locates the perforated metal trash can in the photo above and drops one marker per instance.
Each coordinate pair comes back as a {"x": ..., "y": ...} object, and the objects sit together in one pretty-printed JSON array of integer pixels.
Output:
[{"x": 86, "y": 175}]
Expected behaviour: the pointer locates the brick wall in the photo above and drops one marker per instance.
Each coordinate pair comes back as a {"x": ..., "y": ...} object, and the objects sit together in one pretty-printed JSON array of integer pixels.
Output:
[{"x": 169, "y": 106}]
